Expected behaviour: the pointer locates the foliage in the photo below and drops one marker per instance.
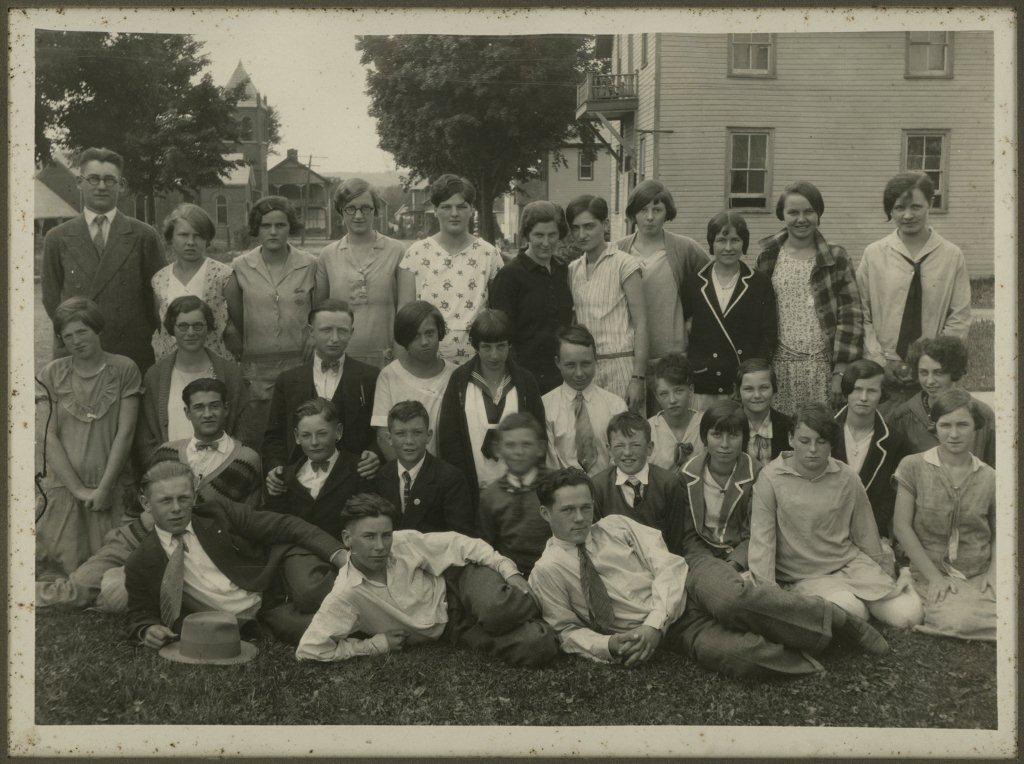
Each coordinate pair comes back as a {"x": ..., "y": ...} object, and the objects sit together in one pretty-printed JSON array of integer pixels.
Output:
[
  {"x": 142, "y": 95},
  {"x": 487, "y": 108},
  {"x": 981, "y": 358},
  {"x": 983, "y": 292}
]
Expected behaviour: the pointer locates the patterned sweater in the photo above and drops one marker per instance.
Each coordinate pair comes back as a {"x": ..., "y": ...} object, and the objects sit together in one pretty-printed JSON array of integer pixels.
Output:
[{"x": 238, "y": 479}]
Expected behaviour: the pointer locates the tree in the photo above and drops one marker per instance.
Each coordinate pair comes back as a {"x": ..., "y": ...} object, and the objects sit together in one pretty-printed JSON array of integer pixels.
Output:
[
  {"x": 142, "y": 95},
  {"x": 487, "y": 108}
]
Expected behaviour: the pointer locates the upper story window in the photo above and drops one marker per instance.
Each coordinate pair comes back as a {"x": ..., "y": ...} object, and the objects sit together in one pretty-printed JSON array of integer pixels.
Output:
[
  {"x": 749, "y": 169},
  {"x": 585, "y": 168},
  {"x": 641, "y": 161},
  {"x": 927, "y": 151},
  {"x": 245, "y": 129},
  {"x": 929, "y": 54},
  {"x": 751, "y": 55}
]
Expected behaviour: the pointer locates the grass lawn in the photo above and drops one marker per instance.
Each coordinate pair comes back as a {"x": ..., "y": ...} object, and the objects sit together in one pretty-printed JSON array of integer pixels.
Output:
[
  {"x": 981, "y": 348},
  {"x": 983, "y": 292},
  {"x": 86, "y": 673}
]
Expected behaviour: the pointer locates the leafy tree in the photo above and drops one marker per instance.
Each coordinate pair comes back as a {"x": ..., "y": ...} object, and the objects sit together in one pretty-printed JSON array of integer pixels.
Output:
[
  {"x": 142, "y": 95},
  {"x": 488, "y": 108}
]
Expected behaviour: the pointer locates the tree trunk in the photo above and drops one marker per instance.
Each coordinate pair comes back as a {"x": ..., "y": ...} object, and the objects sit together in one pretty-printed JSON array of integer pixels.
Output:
[{"x": 486, "y": 210}]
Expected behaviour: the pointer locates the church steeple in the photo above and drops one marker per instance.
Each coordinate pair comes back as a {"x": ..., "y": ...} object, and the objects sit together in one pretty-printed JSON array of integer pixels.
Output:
[{"x": 250, "y": 94}]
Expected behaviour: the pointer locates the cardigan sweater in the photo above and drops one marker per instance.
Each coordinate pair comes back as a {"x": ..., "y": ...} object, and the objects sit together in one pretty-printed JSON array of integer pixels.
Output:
[{"x": 238, "y": 479}]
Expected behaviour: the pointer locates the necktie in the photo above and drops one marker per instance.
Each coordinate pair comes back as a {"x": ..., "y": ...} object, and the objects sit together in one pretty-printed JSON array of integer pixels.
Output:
[
  {"x": 330, "y": 366},
  {"x": 201, "y": 446},
  {"x": 586, "y": 444},
  {"x": 595, "y": 593},
  {"x": 910, "y": 325},
  {"x": 319, "y": 465},
  {"x": 684, "y": 451},
  {"x": 173, "y": 582},
  {"x": 762, "y": 449},
  {"x": 98, "y": 238},
  {"x": 406, "y": 490},
  {"x": 638, "y": 490}
]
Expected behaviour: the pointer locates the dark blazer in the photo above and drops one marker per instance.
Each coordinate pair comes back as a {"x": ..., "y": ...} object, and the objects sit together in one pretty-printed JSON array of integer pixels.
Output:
[
  {"x": 735, "y": 505},
  {"x": 440, "y": 498},
  {"x": 884, "y": 454},
  {"x": 662, "y": 506},
  {"x": 722, "y": 337},
  {"x": 118, "y": 281},
  {"x": 780, "y": 432},
  {"x": 353, "y": 399},
  {"x": 453, "y": 443},
  {"x": 151, "y": 429},
  {"x": 324, "y": 511},
  {"x": 246, "y": 546}
]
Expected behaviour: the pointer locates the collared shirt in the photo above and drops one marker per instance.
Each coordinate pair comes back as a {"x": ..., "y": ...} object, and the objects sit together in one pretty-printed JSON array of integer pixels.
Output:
[
  {"x": 413, "y": 598},
  {"x": 90, "y": 220},
  {"x": 767, "y": 432},
  {"x": 560, "y": 416},
  {"x": 883, "y": 280},
  {"x": 413, "y": 473},
  {"x": 314, "y": 481},
  {"x": 646, "y": 583},
  {"x": 666, "y": 446},
  {"x": 539, "y": 302},
  {"x": 525, "y": 481},
  {"x": 714, "y": 499},
  {"x": 203, "y": 581},
  {"x": 204, "y": 462},
  {"x": 395, "y": 384},
  {"x": 326, "y": 382},
  {"x": 622, "y": 481},
  {"x": 600, "y": 300}
]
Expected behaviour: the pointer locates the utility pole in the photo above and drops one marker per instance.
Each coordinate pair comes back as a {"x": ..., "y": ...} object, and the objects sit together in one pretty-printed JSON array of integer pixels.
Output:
[{"x": 305, "y": 201}]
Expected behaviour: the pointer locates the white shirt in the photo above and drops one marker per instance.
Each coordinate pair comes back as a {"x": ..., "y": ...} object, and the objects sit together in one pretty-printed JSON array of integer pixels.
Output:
[
  {"x": 326, "y": 382},
  {"x": 203, "y": 581},
  {"x": 621, "y": 479},
  {"x": 560, "y": 420},
  {"x": 714, "y": 495},
  {"x": 856, "y": 450},
  {"x": 395, "y": 384},
  {"x": 195, "y": 286},
  {"x": 413, "y": 471},
  {"x": 314, "y": 481},
  {"x": 724, "y": 290},
  {"x": 204, "y": 462},
  {"x": 522, "y": 482},
  {"x": 487, "y": 470},
  {"x": 90, "y": 220}
]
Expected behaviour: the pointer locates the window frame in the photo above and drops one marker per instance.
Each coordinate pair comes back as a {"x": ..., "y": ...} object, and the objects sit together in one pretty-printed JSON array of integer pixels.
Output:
[
  {"x": 945, "y": 74},
  {"x": 218, "y": 201},
  {"x": 930, "y": 132},
  {"x": 757, "y": 74},
  {"x": 579, "y": 166},
  {"x": 769, "y": 162},
  {"x": 641, "y": 158}
]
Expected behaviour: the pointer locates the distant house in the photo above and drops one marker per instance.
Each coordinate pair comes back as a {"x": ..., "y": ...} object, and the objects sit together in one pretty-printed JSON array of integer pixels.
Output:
[
  {"x": 307, "y": 190},
  {"x": 726, "y": 121},
  {"x": 415, "y": 218}
]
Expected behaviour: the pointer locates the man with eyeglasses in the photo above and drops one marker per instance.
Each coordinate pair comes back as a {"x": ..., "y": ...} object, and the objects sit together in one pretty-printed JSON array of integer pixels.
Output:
[{"x": 108, "y": 257}]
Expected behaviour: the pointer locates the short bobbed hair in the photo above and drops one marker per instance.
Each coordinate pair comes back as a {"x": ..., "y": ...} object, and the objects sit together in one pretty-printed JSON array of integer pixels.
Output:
[
  {"x": 566, "y": 477},
  {"x": 186, "y": 304},
  {"x": 725, "y": 415},
  {"x": 204, "y": 385},
  {"x": 353, "y": 188},
  {"x": 521, "y": 420},
  {"x": 949, "y": 352},
  {"x": 448, "y": 185},
  {"x": 673, "y": 368},
  {"x": 901, "y": 185},
  {"x": 164, "y": 471},
  {"x": 752, "y": 366},
  {"x": 406, "y": 411},
  {"x": 648, "y": 191},
  {"x": 723, "y": 221},
  {"x": 96, "y": 154},
  {"x": 269, "y": 204},
  {"x": 628, "y": 423},
  {"x": 78, "y": 309},
  {"x": 817, "y": 417},
  {"x": 490, "y": 325},
  {"x": 195, "y": 216},
  {"x": 317, "y": 407},
  {"x": 576, "y": 334},
  {"x": 539, "y": 212},
  {"x": 952, "y": 400},
  {"x": 409, "y": 318},
  {"x": 330, "y": 305},
  {"x": 364, "y": 505},
  {"x": 595, "y": 205},
  {"x": 860, "y": 369},
  {"x": 808, "y": 191}
]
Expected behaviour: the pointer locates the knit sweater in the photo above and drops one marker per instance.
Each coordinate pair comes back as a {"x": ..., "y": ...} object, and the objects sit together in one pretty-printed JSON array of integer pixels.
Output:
[
  {"x": 238, "y": 479},
  {"x": 510, "y": 521}
]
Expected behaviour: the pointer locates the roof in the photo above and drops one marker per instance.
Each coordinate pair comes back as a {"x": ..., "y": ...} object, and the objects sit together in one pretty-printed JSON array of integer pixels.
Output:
[
  {"x": 49, "y": 205},
  {"x": 62, "y": 181},
  {"x": 290, "y": 171},
  {"x": 250, "y": 94}
]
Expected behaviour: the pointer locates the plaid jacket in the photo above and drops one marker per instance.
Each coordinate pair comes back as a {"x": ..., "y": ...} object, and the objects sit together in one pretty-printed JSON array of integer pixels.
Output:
[{"x": 836, "y": 299}]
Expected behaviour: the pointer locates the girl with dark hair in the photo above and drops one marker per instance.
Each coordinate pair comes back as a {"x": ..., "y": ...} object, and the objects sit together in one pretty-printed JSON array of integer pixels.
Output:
[
  {"x": 452, "y": 269},
  {"x": 820, "y": 323}
]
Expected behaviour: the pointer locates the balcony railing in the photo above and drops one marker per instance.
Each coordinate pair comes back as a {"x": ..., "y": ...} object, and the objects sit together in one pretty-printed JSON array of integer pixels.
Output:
[{"x": 607, "y": 93}]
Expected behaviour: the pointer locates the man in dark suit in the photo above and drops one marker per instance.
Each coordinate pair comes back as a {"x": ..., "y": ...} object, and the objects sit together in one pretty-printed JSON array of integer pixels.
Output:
[
  {"x": 431, "y": 495},
  {"x": 108, "y": 257},
  {"x": 220, "y": 557},
  {"x": 346, "y": 382}
]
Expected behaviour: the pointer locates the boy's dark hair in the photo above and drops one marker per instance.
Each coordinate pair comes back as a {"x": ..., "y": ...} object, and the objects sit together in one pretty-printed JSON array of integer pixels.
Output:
[
  {"x": 628, "y": 423},
  {"x": 163, "y": 471},
  {"x": 409, "y": 318},
  {"x": 520, "y": 420},
  {"x": 204, "y": 385},
  {"x": 317, "y": 407},
  {"x": 563, "y": 478},
  {"x": 725, "y": 415},
  {"x": 96, "y": 154},
  {"x": 330, "y": 306},
  {"x": 406, "y": 411},
  {"x": 577, "y": 334},
  {"x": 364, "y": 505},
  {"x": 674, "y": 369}
]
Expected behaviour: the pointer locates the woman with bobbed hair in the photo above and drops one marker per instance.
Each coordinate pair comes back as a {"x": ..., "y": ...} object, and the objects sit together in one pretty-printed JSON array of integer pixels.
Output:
[
  {"x": 821, "y": 327},
  {"x": 94, "y": 400},
  {"x": 940, "y": 362},
  {"x": 945, "y": 521},
  {"x": 479, "y": 395},
  {"x": 269, "y": 298},
  {"x": 452, "y": 269},
  {"x": 812, "y": 530},
  {"x": 188, "y": 231},
  {"x": 361, "y": 268},
  {"x": 533, "y": 291}
]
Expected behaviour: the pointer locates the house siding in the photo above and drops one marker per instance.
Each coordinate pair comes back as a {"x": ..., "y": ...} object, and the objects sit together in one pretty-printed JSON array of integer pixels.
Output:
[{"x": 564, "y": 183}]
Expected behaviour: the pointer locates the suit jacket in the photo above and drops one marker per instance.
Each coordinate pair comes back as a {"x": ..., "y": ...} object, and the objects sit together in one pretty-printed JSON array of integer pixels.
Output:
[
  {"x": 246, "y": 546},
  {"x": 780, "y": 432},
  {"x": 118, "y": 281},
  {"x": 886, "y": 450},
  {"x": 735, "y": 505},
  {"x": 324, "y": 511},
  {"x": 151, "y": 429},
  {"x": 661, "y": 507},
  {"x": 722, "y": 337},
  {"x": 440, "y": 498},
  {"x": 353, "y": 399}
]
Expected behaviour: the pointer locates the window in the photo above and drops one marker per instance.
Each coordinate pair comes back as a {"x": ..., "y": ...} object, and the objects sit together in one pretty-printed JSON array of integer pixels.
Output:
[
  {"x": 751, "y": 55},
  {"x": 222, "y": 210},
  {"x": 643, "y": 49},
  {"x": 927, "y": 151},
  {"x": 641, "y": 161},
  {"x": 749, "y": 181},
  {"x": 929, "y": 54},
  {"x": 245, "y": 129},
  {"x": 586, "y": 167}
]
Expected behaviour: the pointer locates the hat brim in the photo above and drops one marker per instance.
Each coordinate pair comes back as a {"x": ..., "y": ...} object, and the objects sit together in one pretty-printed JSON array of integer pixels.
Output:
[{"x": 172, "y": 652}]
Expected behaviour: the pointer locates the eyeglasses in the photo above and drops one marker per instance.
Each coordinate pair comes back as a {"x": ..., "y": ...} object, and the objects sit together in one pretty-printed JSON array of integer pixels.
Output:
[
  {"x": 107, "y": 180},
  {"x": 366, "y": 210},
  {"x": 197, "y": 328}
]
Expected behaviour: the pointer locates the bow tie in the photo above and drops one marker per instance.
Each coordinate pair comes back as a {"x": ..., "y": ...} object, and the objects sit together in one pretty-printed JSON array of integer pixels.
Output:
[
  {"x": 319, "y": 465},
  {"x": 326, "y": 366},
  {"x": 201, "y": 446}
]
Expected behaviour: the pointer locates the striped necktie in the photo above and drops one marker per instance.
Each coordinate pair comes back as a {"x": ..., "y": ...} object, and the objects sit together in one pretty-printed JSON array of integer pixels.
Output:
[
  {"x": 586, "y": 443},
  {"x": 637, "y": 489},
  {"x": 98, "y": 238},
  {"x": 406, "y": 491},
  {"x": 173, "y": 582},
  {"x": 602, "y": 618}
]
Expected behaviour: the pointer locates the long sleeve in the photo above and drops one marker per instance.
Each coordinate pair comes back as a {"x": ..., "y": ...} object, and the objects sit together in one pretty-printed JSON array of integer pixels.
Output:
[
  {"x": 274, "y": 528},
  {"x": 763, "y": 528},
  {"x": 769, "y": 323},
  {"x": 573, "y": 634},
  {"x": 53, "y": 273},
  {"x": 152, "y": 261},
  {"x": 502, "y": 294},
  {"x": 143, "y": 598},
  {"x": 863, "y": 529},
  {"x": 958, "y": 319},
  {"x": 849, "y": 340},
  {"x": 440, "y": 551},
  {"x": 873, "y": 350},
  {"x": 668, "y": 591},
  {"x": 327, "y": 636},
  {"x": 147, "y": 429}
]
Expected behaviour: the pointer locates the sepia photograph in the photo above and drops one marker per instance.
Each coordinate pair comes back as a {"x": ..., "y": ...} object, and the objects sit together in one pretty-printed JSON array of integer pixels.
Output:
[{"x": 523, "y": 382}]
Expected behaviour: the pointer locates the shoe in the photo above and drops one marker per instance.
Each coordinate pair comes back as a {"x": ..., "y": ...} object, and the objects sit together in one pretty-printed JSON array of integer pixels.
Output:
[{"x": 859, "y": 633}]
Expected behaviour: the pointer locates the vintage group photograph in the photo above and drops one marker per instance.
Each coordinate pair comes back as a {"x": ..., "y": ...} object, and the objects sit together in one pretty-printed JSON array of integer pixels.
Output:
[{"x": 576, "y": 370}]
